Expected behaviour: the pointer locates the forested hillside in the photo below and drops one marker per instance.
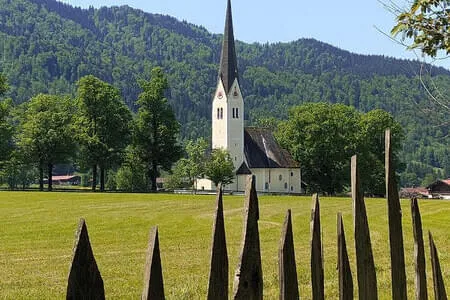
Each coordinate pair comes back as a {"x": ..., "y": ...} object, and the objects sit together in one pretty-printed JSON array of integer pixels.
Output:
[{"x": 46, "y": 46}]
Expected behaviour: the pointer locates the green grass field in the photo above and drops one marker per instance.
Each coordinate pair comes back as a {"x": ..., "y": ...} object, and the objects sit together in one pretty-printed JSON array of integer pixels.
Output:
[{"x": 37, "y": 233}]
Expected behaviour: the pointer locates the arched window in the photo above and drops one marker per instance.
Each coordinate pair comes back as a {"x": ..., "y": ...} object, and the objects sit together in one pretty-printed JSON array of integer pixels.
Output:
[
  {"x": 221, "y": 113},
  {"x": 267, "y": 186},
  {"x": 237, "y": 113},
  {"x": 233, "y": 112},
  {"x": 280, "y": 177},
  {"x": 285, "y": 185},
  {"x": 218, "y": 113}
]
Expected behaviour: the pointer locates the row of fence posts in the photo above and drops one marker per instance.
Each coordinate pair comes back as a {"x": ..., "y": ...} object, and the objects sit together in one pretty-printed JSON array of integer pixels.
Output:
[{"x": 85, "y": 281}]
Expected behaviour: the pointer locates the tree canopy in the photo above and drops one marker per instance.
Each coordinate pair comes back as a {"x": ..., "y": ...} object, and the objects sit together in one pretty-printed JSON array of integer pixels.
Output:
[
  {"x": 103, "y": 123},
  {"x": 323, "y": 137},
  {"x": 219, "y": 167},
  {"x": 156, "y": 128}
]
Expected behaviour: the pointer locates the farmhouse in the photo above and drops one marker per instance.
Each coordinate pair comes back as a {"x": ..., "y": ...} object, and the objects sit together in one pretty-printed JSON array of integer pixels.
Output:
[
  {"x": 440, "y": 189},
  {"x": 253, "y": 150},
  {"x": 65, "y": 180}
]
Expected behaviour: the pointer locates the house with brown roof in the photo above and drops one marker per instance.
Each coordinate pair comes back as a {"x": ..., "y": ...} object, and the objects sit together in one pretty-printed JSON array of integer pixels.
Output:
[
  {"x": 253, "y": 150},
  {"x": 440, "y": 189}
]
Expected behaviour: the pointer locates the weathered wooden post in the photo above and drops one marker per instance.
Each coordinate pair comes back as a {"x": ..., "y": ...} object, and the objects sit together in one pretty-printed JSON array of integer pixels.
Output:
[
  {"x": 248, "y": 280},
  {"x": 85, "y": 281},
  {"x": 286, "y": 262},
  {"x": 419, "y": 252},
  {"x": 365, "y": 266},
  {"x": 218, "y": 276},
  {"x": 153, "y": 278},
  {"x": 398, "y": 274},
  {"x": 438, "y": 281},
  {"x": 343, "y": 265},
  {"x": 317, "y": 277}
]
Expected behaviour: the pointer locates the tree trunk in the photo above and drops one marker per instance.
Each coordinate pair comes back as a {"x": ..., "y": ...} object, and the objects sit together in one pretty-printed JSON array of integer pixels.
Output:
[
  {"x": 102, "y": 179},
  {"x": 41, "y": 178},
  {"x": 94, "y": 177},
  {"x": 153, "y": 175},
  {"x": 50, "y": 178}
]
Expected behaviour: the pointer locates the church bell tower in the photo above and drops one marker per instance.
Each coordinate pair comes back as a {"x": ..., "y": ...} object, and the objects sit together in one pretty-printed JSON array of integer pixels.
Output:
[{"x": 228, "y": 103}]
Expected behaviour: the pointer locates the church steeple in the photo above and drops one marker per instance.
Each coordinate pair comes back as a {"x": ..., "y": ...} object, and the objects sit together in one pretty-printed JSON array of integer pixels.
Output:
[{"x": 228, "y": 63}]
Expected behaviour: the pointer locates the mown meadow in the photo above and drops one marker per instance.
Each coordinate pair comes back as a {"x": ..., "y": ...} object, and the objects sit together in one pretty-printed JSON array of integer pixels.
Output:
[{"x": 37, "y": 235}]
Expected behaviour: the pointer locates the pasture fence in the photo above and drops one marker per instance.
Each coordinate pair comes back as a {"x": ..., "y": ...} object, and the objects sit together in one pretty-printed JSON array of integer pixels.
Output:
[{"x": 85, "y": 281}]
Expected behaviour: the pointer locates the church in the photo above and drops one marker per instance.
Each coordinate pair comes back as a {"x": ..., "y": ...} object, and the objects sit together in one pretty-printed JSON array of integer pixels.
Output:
[{"x": 253, "y": 150}]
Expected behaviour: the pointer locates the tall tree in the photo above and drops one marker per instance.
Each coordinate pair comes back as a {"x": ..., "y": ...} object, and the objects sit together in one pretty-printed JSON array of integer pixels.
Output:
[
  {"x": 323, "y": 137},
  {"x": 3, "y": 85},
  {"x": 103, "y": 123},
  {"x": 46, "y": 133},
  {"x": 219, "y": 167},
  {"x": 156, "y": 129}
]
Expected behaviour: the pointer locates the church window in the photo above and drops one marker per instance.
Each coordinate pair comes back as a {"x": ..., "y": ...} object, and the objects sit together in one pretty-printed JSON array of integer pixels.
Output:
[
  {"x": 267, "y": 186},
  {"x": 285, "y": 185},
  {"x": 292, "y": 174},
  {"x": 280, "y": 177},
  {"x": 218, "y": 113},
  {"x": 292, "y": 188},
  {"x": 233, "y": 112},
  {"x": 221, "y": 113},
  {"x": 237, "y": 113}
]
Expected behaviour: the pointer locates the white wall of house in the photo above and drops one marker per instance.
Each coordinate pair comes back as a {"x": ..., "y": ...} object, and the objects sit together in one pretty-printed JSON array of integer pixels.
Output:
[{"x": 278, "y": 180}]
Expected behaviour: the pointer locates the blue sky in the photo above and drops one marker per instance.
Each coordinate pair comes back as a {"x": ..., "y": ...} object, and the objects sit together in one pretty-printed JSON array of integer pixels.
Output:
[{"x": 349, "y": 24}]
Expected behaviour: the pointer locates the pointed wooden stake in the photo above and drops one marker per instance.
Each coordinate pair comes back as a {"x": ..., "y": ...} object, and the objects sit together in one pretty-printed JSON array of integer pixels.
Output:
[
  {"x": 398, "y": 274},
  {"x": 419, "y": 253},
  {"x": 317, "y": 277},
  {"x": 85, "y": 281},
  {"x": 286, "y": 264},
  {"x": 153, "y": 278},
  {"x": 248, "y": 280},
  {"x": 438, "y": 281},
  {"x": 345, "y": 273},
  {"x": 365, "y": 266},
  {"x": 218, "y": 276}
]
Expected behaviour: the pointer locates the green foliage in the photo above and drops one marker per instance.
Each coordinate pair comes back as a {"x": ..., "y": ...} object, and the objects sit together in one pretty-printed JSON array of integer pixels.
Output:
[
  {"x": 323, "y": 137},
  {"x": 132, "y": 174},
  {"x": 46, "y": 134},
  {"x": 6, "y": 130},
  {"x": 156, "y": 129},
  {"x": 219, "y": 167},
  {"x": 427, "y": 22},
  {"x": 102, "y": 123},
  {"x": 3, "y": 85},
  {"x": 17, "y": 174},
  {"x": 190, "y": 167}
]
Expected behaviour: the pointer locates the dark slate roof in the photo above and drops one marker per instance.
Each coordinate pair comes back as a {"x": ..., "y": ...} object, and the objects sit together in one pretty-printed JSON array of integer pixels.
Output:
[
  {"x": 243, "y": 170},
  {"x": 262, "y": 150},
  {"x": 228, "y": 62}
]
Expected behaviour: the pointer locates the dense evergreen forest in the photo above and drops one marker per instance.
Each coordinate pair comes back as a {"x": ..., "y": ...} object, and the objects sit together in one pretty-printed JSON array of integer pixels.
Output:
[{"x": 46, "y": 46}]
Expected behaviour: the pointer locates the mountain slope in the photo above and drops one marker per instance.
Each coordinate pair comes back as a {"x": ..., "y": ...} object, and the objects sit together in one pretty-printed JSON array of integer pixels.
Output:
[{"x": 47, "y": 46}]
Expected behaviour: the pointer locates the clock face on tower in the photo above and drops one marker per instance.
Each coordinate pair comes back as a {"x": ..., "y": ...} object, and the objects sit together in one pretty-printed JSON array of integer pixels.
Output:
[
  {"x": 220, "y": 95},
  {"x": 235, "y": 93}
]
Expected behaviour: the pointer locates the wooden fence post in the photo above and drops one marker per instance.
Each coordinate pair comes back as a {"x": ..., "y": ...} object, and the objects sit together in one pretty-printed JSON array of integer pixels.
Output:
[
  {"x": 343, "y": 265},
  {"x": 286, "y": 262},
  {"x": 419, "y": 253},
  {"x": 153, "y": 278},
  {"x": 218, "y": 276},
  {"x": 395, "y": 226},
  {"x": 248, "y": 280},
  {"x": 317, "y": 277},
  {"x": 365, "y": 266},
  {"x": 438, "y": 281},
  {"x": 85, "y": 281}
]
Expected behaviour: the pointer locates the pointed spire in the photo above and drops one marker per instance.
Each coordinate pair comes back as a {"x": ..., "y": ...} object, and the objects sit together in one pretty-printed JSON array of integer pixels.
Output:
[{"x": 228, "y": 62}]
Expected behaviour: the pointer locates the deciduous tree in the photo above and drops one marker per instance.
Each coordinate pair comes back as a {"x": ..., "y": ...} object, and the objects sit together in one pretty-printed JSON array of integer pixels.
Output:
[
  {"x": 156, "y": 129},
  {"x": 219, "y": 167},
  {"x": 103, "y": 126},
  {"x": 46, "y": 133}
]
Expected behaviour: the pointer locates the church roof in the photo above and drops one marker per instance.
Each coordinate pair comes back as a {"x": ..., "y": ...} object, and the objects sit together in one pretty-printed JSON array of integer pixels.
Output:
[
  {"x": 228, "y": 63},
  {"x": 243, "y": 170},
  {"x": 262, "y": 150}
]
